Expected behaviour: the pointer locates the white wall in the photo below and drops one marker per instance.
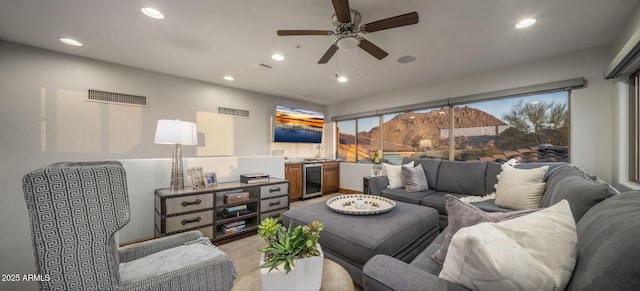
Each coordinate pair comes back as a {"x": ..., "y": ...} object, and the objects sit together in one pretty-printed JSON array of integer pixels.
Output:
[
  {"x": 591, "y": 107},
  {"x": 45, "y": 119}
]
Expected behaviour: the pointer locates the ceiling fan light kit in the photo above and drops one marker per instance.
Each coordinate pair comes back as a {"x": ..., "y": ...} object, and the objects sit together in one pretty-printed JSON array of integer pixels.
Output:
[
  {"x": 348, "y": 30},
  {"x": 348, "y": 42}
]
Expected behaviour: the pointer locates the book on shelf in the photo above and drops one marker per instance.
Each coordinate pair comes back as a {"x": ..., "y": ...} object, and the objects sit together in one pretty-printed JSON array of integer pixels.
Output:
[
  {"x": 236, "y": 208},
  {"x": 235, "y": 214},
  {"x": 233, "y": 229},
  {"x": 234, "y": 224}
]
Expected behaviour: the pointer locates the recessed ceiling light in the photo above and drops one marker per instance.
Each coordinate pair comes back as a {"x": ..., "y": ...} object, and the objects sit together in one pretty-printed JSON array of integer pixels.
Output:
[
  {"x": 406, "y": 59},
  {"x": 70, "y": 41},
  {"x": 535, "y": 102},
  {"x": 277, "y": 57},
  {"x": 153, "y": 13},
  {"x": 525, "y": 23},
  {"x": 229, "y": 78},
  {"x": 342, "y": 79}
]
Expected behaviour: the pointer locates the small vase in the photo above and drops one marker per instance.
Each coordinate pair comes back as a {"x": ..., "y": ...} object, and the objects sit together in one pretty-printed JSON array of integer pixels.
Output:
[{"x": 306, "y": 275}]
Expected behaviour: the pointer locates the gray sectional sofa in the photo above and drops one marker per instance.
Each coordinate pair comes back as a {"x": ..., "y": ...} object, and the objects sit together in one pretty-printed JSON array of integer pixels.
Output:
[
  {"x": 463, "y": 179},
  {"x": 607, "y": 225}
]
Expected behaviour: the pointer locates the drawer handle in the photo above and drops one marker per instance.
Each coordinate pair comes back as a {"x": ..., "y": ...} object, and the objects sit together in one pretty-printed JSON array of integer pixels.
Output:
[
  {"x": 274, "y": 203},
  {"x": 185, "y": 221},
  {"x": 275, "y": 216},
  {"x": 271, "y": 190},
  {"x": 197, "y": 202}
]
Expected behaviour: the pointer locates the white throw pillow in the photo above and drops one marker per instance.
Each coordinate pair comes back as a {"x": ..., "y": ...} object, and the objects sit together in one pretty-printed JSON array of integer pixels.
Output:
[
  {"x": 394, "y": 174},
  {"x": 537, "y": 251},
  {"x": 520, "y": 189}
]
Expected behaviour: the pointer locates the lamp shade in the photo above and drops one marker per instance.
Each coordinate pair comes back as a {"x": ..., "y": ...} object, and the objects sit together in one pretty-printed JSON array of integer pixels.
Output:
[{"x": 176, "y": 132}]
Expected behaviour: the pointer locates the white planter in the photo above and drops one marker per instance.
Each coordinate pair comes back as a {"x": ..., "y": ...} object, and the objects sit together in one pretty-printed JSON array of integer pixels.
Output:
[{"x": 306, "y": 275}]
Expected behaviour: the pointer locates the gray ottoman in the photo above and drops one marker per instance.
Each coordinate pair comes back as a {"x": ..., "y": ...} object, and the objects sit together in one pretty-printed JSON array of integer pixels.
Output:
[{"x": 351, "y": 240}]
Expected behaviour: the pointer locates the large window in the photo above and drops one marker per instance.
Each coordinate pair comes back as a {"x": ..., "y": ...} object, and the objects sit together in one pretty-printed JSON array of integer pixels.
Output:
[
  {"x": 531, "y": 128},
  {"x": 421, "y": 133}
]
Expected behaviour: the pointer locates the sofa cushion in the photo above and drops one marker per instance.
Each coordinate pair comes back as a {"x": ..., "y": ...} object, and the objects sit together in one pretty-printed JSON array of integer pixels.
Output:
[
  {"x": 394, "y": 174},
  {"x": 520, "y": 189},
  {"x": 490, "y": 206},
  {"x": 413, "y": 178},
  {"x": 575, "y": 186},
  {"x": 462, "y": 215},
  {"x": 462, "y": 177},
  {"x": 424, "y": 262},
  {"x": 436, "y": 201},
  {"x": 167, "y": 261},
  {"x": 493, "y": 170},
  {"x": 532, "y": 252},
  {"x": 430, "y": 167},
  {"x": 404, "y": 196},
  {"x": 608, "y": 248}
]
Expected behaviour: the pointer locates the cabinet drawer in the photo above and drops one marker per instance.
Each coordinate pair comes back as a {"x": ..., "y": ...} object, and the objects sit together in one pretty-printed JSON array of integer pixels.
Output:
[
  {"x": 274, "y": 190},
  {"x": 186, "y": 221},
  {"x": 189, "y": 203},
  {"x": 277, "y": 215},
  {"x": 274, "y": 203}
]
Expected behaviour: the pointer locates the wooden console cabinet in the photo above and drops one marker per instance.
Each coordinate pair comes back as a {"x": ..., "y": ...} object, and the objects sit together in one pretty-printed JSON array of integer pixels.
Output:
[{"x": 203, "y": 209}]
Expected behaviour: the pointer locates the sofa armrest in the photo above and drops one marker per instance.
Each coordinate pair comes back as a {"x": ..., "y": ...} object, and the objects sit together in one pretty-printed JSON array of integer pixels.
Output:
[
  {"x": 377, "y": 184},
  {"x": 142, "y": 249},
  {"x": 383, "y": 272}
]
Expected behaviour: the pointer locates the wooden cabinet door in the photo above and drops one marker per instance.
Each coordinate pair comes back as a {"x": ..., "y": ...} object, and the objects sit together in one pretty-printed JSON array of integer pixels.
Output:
[
  {"x": 330, "y": 177},
  {"x": 293, "y": 173}
]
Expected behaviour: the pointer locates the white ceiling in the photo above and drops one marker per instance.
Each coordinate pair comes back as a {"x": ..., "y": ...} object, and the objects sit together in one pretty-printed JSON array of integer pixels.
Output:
[{"x": 207, "y": 39}]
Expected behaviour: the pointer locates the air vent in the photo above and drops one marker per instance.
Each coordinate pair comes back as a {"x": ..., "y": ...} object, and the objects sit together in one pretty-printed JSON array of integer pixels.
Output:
[
  {"x": 117, "y": 98},
  {"x": 234, "y": 112}
]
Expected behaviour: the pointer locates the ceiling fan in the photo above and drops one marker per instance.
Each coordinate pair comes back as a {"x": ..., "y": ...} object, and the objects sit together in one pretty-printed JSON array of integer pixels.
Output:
[{"x": 348, "y": 30}]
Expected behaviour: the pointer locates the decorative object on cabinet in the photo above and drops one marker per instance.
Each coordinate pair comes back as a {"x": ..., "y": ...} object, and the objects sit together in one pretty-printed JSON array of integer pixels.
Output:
[
  {"x": 177, "y": 133},
  {"x": 210, "y": 179},
  {"x": 196, "y": 177},
  {"x": 223, "y": 212}
]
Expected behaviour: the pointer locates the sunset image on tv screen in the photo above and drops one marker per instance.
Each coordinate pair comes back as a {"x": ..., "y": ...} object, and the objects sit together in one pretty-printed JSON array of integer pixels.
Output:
[{"x": 298, "y": 125}]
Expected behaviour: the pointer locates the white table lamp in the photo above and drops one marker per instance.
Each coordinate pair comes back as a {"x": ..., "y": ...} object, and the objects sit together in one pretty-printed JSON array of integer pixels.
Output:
[{"x": 178, "y": 133}]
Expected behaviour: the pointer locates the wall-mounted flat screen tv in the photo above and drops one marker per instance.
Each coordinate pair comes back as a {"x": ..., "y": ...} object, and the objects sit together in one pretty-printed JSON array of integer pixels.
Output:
[{"x": 298, "y": 125}]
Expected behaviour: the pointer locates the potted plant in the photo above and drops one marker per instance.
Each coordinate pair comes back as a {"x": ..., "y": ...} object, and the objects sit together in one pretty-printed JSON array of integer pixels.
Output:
[{"x": 293, "y": 258}]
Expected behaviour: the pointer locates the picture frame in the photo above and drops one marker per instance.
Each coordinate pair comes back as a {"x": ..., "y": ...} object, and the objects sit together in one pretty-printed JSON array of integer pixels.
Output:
[
  {"x": 210, "y": 179},
  {"x": 196, "y": 177}
]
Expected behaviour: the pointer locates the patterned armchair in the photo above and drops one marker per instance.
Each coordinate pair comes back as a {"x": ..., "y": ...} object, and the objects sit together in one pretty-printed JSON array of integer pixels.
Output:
[{"x": 76, "y": 208}]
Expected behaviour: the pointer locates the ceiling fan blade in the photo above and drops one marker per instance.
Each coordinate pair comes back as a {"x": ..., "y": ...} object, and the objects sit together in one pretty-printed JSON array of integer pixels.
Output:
[
  {"x": 391, "y": 22},
  {"x": 304, "y": 32},
  {"x": 327, "y": 55},
  {"x": 342, "y": 10},
  {"x": 372, "y": 49}
]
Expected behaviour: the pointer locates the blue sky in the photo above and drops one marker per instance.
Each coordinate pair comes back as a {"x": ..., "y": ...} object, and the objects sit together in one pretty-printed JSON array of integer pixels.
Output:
[{"x": 497, "y": 108}]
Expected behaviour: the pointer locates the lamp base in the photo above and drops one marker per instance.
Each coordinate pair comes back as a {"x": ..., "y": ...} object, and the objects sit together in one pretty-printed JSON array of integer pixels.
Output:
[{"x": 177, "y": 173}]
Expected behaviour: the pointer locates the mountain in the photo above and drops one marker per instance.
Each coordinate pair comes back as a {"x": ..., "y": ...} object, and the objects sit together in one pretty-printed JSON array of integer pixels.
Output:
[{"x": 424, "y": 129}]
